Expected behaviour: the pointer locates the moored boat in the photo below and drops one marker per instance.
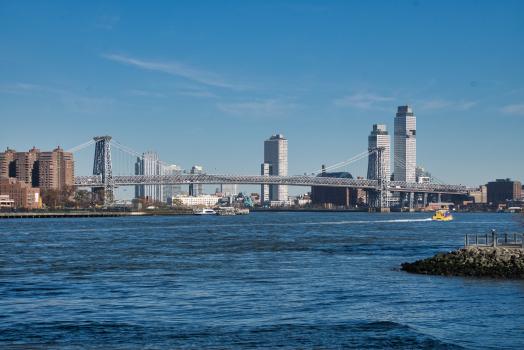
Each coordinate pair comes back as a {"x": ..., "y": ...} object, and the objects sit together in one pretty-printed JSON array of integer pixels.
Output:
[{"x": 205, "y": 211}]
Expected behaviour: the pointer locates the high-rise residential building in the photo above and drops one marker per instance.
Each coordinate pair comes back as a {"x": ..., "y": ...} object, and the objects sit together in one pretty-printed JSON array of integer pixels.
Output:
[
  {"x": 27, "y": 169},
  {"x": 229, "y": 190},
  {"x": 56, "y": 169},
  {"x": 46, "y": 170},
  {"x": 405, "y": 133},
  {"x": 149, "y": 164},
  {"x": 379, "y": 138},
  {"x": 196, "y": 189},
  {"x": 8, "y": 163},
  {"x": 275, "y": 163},
  {"x": 172, "y": 190}
]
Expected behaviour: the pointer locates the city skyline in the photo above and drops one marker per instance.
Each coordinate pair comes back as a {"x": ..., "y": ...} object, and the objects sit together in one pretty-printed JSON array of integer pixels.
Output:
[{"x": 206, "y": 76}]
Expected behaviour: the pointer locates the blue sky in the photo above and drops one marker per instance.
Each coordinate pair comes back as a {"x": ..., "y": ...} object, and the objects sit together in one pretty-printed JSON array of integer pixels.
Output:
[{"x": 206, "y": 82}]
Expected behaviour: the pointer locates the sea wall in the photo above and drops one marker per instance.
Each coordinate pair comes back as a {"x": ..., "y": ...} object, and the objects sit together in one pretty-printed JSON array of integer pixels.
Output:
[{"x": 473, "y": 261}]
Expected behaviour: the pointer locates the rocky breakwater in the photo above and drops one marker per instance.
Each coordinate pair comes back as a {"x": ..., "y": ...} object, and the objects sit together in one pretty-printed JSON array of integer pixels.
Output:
[{"x": 473, "y": 261}]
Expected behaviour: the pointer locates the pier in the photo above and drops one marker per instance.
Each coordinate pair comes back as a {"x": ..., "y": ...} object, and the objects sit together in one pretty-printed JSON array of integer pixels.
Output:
[{"x": 495, "y": 240}]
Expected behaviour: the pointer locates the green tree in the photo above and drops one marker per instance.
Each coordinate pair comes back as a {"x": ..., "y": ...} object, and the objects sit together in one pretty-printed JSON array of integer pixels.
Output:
[{"x": 51, "y": 198}]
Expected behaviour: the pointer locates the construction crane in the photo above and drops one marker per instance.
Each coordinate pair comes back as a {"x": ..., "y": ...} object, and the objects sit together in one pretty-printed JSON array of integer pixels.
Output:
[{"x": 248, "y": 202}]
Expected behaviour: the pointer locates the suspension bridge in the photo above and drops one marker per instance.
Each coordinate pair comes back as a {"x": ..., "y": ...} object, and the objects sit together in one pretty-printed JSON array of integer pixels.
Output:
[{"x": 379, "y": 186}]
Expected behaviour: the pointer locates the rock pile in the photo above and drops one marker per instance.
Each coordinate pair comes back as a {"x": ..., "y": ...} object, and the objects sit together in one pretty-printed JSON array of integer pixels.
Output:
[{"x": 479, "y": 262}]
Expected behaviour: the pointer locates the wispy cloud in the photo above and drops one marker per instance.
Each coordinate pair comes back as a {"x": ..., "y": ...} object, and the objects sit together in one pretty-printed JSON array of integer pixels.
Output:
[
  {"x": 145, "y": 93},
  {"x": 259, "y": 108},
  {"x": 73, "y": 102},
  {"x": 513, "y": 109},
  {"x": 363, "y": 101},
  {"x": 107, "y": 22},
  {"x": 198, "y": 94},
  {"x": 176, "y": 68},
  {"x": 441, "y": 104}
]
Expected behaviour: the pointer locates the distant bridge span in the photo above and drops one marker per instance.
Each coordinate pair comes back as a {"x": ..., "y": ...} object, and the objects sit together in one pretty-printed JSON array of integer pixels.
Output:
[{"x": 394, "y": 186}]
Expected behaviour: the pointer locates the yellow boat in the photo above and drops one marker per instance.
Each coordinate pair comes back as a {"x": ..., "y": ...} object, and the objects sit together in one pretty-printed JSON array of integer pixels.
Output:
[{"x": 443, "y": 215}]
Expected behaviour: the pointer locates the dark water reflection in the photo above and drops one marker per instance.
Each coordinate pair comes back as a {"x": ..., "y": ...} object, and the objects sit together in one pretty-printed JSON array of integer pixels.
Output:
[{"x": 307, "y": 280}]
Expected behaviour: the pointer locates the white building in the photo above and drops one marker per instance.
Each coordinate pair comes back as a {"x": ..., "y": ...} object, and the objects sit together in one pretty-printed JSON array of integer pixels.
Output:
[
  {"x": 405, "y": 145},
  {"x": 149, "y": 164},
  {"x": 197, "y": 189},
  {"x": 379, "y": 138},
  {"x": 275, "y": 163},
  {"x": 190, "y": 201},
  {"x": 229, "y": 190}
]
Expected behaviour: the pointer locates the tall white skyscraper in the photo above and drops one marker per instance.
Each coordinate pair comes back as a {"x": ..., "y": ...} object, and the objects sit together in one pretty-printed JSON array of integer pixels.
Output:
[
  {"x": 149, "y": 164},
  {"x": 405, "y": 145},
  {"x": 379, "y": 138},
  {"x": 275, "y": 163}
]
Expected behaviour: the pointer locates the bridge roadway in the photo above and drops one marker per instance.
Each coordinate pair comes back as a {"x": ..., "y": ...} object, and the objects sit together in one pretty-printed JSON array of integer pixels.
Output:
[{"x": 394, "y": 186}]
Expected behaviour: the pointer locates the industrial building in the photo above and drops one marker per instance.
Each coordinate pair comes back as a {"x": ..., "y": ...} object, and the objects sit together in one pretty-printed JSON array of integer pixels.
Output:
[
  {"x": 339, "y": 196},
  {"x": 501, "y": 190}
]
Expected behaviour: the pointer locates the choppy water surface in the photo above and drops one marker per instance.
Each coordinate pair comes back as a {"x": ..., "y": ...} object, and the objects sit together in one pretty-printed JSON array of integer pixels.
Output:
[{"x": 266, "y": 280}]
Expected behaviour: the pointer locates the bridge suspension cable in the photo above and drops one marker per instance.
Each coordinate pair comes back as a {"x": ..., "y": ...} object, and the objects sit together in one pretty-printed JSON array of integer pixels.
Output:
[
  {"x": 77, "y": 148},
  {"x": 347, "y": 161},
  {"x": 403, "y": 165},
  {"x": 135, "y": 153}
]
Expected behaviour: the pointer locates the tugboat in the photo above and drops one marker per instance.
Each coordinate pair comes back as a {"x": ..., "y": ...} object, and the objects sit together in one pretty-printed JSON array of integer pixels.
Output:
[{"x": 443, "y": 215}]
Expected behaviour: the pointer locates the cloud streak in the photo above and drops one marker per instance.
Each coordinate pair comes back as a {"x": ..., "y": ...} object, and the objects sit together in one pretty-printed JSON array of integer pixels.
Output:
[
  {"x": 260, "y": 108},
  {"x": 177, "y": 69},
  {"x": 513, "y": 109},
  {"x": 363, "y": 101}
]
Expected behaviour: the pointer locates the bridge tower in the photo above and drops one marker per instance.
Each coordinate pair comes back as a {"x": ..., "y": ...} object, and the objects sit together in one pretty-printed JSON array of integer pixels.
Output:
[
  {"x": 102, "y": 165},
  {"x": 379, "y": 199}
]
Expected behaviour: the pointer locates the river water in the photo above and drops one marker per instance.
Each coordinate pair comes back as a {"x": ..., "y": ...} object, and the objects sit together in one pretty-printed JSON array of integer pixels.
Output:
[{"x": 265, "y": 280}]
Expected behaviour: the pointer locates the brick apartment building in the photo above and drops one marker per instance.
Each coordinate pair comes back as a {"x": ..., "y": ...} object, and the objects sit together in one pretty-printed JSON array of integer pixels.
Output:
[
  {"x": 501, "y": 190},
  {"x": 54, "y": 169},
  {"x": 22, "y": 194}
]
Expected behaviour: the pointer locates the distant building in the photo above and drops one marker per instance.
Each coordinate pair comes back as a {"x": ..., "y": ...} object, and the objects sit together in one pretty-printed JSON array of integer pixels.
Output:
[
  {"x": 189, "y": 201},
  {"x": 501, "y": 190},
  {"x": 478, "y": 195},
  {"x": 46, "y": 170},
  {"x": 422, "y": 176},
  {"x": 229, "y": 190},
  {"x": 149, "y": 164},
  {"x": 405, "y": 133},
  {"x": 171, "y": 190},
  {"x": 339, "y": 196},
  {"x": 275, "y": 163},
  {"x": 379, "y": 138},
  {"x": 196, "y": 190},
  {"x": 21, "y": 194}
]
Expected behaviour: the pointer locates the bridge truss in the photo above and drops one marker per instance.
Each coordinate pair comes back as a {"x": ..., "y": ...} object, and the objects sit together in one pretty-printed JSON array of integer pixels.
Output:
[{"x": 379, "y": 187}]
